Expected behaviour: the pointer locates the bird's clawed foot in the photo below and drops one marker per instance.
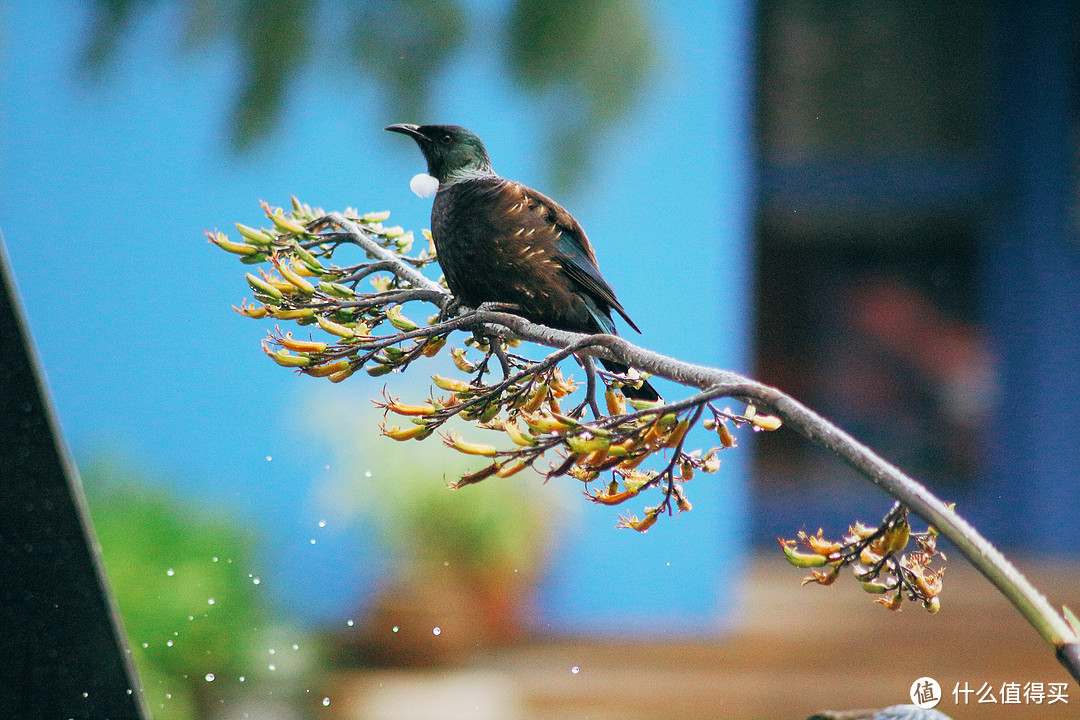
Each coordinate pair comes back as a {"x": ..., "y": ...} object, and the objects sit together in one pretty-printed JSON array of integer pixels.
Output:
[
  {"x": 450, "y": 309},
  {"x": 499, "y": 307}
]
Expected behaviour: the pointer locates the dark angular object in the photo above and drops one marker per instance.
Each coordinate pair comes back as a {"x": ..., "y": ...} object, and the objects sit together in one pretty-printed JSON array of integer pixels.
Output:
[
  {"x": 62, "y": 653},
  {"x": 501, "y": 242}
]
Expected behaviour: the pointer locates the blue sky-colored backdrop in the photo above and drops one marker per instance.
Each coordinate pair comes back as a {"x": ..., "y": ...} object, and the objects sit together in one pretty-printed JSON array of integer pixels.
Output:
[{"x": 108, "y": 183}]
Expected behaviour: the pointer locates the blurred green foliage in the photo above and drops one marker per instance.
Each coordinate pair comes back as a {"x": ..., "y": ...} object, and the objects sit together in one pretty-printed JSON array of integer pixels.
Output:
[
  {"x": 403, "y": 43},
  {"x": 600, "y": 50},
  {"x": 487, "y": 534},
  {"x": 585, "y": 60},
  {"x": 181, "y": 580}
]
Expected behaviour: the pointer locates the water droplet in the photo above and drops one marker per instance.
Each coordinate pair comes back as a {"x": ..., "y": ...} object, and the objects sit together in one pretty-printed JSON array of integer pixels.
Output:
[
  {"x": 168, "y": 696},
  {"x": 322, "y": 523},
  {"x": 272, "y": 666},
  {"x": 255, "y": 581},
  {"x": 446, "y": 563},
  {"x": 349, "y": 623},
  {"x": 395, "y": 628},
  {"x": 209, "y": 677},
  {"x": 575, "y": 669},
  {"x": 325, "y": 702},
  {"x": 190, "y": 617},
  {"x": 168, "y": 643},
  {"x": 213, "y": 559},
  {"x": 146, "y": 645},
  {"x": 272, "y": 651},
  {"x": 269, "y": 458},
  {"x": 436, "y": 631},
  {"x": 242, "y": 678},
  {"x": 86, "y": 694},
  {"x": 312, "y": 541},
  {"x": 367, "y": 473},
  {"x": 170, "y": 572},
  {"x": 210, "y": 601},
  {"x": 295, "y": 646}
]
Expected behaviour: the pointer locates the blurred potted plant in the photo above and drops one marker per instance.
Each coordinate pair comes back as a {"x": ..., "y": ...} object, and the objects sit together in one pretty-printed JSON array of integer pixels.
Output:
[{"x": 462, "y": 565}]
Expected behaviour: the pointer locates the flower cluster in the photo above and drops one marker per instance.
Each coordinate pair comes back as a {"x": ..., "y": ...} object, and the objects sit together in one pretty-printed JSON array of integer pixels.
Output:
[
  {"x": 301, "y": 286},
  {"x": 526, "y": 409},
  {"x": 371, "y": 331},
  {"x": 877, "y": 558}
]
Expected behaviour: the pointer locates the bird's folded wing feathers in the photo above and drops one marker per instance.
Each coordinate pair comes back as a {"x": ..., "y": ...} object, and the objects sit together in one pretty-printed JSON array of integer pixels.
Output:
[{"x": 576, "y": 253}]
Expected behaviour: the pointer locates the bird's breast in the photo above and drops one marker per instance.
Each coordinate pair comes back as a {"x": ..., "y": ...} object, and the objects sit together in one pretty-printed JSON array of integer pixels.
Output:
[{"x": 493, "y": 249}]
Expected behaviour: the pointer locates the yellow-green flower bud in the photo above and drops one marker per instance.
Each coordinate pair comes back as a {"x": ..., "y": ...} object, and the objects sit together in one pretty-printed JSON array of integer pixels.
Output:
[
  {"x": 287, "y": 225},
  {"x": 378, "y": 370},
  {"x": 582, "y": 445},
  {"x": 307, "y": 258},
  {"x": 433, "y": 346},
  {"x": 393, "y": 314},
  {"x": 417, "y": 432},
  {"x": 458, "y": 354},
  {"x": 293, "y": 279},
  {"x": 298, "y": 314},
  {"x": 336, "y": 290},
  {"x": 801, "y": 559},
  {"x": 454, "y": 440},
  {"x": 375, "y": 217},
  {"x": 304, "y": 346},
  {"x": 223, "y": 242},
  {"x": 520, "y": 437},
  {"x": 286, "y": 359},
  {"x": 451, "y": 384},
  {"x": 328, "y": 369},
  {"x": 253, "y": 236},
  {"x": 877, "y": 586},
  {"x": 334, "y": 328},
  {"x": 261, "y": 286},
  {"x": 766, "y": 422}
]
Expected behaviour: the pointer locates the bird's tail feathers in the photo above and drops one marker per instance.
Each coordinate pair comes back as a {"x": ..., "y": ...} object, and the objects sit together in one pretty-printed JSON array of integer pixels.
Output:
[{"x": 645, "y": 392}]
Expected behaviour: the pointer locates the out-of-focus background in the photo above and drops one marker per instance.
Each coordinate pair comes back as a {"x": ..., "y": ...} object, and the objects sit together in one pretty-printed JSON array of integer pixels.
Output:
[{"x": 872, "y": 205}]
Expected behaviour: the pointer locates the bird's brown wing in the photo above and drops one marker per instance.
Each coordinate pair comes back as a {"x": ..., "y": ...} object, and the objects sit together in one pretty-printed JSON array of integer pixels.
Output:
[{"x": 572, "y": 248}]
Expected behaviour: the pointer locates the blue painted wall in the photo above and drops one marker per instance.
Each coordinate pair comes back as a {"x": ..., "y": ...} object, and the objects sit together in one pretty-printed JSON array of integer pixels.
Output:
[
  {"x": 1031, "y": 280},
  {"x": 109, "y": 183}
]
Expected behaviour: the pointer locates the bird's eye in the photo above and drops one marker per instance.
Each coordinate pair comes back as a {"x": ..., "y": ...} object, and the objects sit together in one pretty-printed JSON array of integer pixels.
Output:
[{"x": 446, "y": 139}]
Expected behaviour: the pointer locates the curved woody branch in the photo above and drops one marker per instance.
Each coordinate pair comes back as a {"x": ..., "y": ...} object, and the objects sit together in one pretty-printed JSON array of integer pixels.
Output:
[{"x": 529, "y": 393}]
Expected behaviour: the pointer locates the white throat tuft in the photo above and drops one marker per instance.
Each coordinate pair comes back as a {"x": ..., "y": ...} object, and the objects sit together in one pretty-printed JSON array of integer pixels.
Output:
[{"x": 424, "y": 185}]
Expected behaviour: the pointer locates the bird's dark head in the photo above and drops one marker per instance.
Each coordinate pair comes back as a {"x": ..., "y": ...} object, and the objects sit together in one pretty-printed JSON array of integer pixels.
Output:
[{"x": 453, "y": 153}]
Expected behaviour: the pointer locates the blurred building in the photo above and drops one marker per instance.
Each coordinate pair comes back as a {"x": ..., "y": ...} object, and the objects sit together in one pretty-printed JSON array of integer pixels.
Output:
[{"x": 918, "y": 257}]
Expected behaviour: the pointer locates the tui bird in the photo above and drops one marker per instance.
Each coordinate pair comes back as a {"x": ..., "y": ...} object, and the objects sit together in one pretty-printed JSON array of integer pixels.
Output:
[{"x": 501, "y": 242}]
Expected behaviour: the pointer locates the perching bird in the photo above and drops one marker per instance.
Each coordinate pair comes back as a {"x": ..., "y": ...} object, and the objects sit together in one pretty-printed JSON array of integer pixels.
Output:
[{"x": 501, "y": 242}]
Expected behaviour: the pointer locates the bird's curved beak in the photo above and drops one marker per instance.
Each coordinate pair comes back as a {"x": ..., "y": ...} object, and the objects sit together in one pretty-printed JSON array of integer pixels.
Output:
[{"x": 412, "y": 131}]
